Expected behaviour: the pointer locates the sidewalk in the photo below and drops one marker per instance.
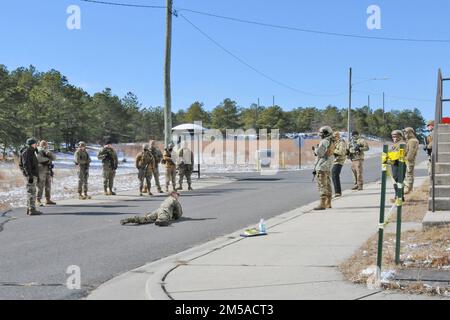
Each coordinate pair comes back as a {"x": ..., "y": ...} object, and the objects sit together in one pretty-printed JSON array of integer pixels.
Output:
[{"x": 298, "y": 259}]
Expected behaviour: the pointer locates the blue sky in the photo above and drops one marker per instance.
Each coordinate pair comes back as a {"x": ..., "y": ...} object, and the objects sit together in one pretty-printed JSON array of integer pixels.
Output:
[{"x": 123, "y": 48}]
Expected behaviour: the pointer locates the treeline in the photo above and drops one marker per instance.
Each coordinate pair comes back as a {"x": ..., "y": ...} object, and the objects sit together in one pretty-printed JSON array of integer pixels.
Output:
[{"x": 45, "y": 105}]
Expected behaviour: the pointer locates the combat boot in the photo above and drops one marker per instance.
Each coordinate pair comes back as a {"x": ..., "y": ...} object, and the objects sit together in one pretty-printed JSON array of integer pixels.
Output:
[
  {"x": 160, "y": 190},
  {"x": 86, "y": 196},
  {"x": 145, "y": 190},
  {"x": 321, "y": 205},
  {"x": 33, "y": 212},
  {"x": 355, "y": 188},
  {"x": 105, "y": 192},
  {"x": 190, "y": 188},
  {"x": 338, "y": 195},
  {"x": 39, "y": 203},
  {"x": 180, "y": 187},
  {"x": 81, "y": 196},
  {"x": 49, "y": 202},
  {"x": 112, "y": 193},
  {"x": 162, "y": 223},
  {"x": 328, "y": 202},
  {"x": 150, "y": 194}
]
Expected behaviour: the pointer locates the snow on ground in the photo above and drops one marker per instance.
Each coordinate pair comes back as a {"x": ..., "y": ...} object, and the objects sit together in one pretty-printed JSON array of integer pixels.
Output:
[{"x": 65, "y": 182}]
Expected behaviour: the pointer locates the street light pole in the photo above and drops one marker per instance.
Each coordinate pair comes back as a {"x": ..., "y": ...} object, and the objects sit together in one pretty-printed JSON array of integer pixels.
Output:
[
  {"x": 167, "y": 90},
  {"x": 349, "y": 106}
]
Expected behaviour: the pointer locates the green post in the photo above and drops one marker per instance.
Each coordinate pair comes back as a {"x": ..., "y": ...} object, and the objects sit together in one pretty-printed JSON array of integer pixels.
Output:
[
  {"x": 401, "y": 178},
  {"x": 382, "y": 207}
]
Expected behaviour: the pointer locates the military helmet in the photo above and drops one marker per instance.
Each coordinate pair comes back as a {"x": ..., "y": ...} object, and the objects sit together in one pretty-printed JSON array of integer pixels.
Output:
[
  {"x": 325, "y": 131},
  {"x": 397, "y": 133},
  {"x": 81, "y": 144},
  {"x": 145, "y": 147},
  {"x": 409, "y": 130},
  {"x": 31, "y": 141},
  {"x": 355, "y": 133}
]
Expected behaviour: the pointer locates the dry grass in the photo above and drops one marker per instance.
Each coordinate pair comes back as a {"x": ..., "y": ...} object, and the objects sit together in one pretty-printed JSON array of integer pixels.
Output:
[{"x": 428, "y": 249}]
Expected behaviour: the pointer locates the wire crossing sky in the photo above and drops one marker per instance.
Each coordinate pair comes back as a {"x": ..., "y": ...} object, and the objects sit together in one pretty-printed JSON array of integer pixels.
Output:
[{"x": 298, "y": 51}]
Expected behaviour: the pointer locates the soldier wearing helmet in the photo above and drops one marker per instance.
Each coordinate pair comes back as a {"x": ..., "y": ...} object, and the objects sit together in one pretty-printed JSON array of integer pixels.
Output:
[
  {"x": 171, "y": 169},
  {"x": 412, "y": 146},
  {"x": 145, "y": 163},
  {"x": 45, "y": 158},
  {"x": 398, "y": 140},
  {"x": 324, "y": 154},
  {"x": 356, "y": 149},
  {"x": 340, "y": 154},
  {"x": 82, "y": 161}
]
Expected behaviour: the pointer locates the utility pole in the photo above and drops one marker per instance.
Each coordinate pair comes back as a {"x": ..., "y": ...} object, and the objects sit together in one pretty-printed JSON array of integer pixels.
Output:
[
  {"x": 368, "y": 101},
  {"x": 167, "y": 91},
  {"x": 273, "y": 101},
  {"x": 349, "y": 107}
]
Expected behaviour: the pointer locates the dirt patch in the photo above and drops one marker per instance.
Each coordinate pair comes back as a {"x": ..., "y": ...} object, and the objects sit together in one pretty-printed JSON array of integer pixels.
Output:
[{"x": 424, "y": 250}]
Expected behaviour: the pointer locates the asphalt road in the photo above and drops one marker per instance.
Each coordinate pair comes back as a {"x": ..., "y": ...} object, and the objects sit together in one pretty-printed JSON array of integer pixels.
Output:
[{"x": 36, "y": 251}]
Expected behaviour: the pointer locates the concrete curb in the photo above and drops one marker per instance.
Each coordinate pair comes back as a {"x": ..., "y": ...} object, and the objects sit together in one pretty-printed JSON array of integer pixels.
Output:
[{"x": 155, "y": 285}]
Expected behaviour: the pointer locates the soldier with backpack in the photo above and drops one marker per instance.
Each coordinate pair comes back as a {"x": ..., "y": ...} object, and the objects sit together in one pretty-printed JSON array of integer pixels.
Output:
[
  {"x": 340, "y": 154},
  {"x": 29, "y": 166},
  {"x": 324, "y": 153}
]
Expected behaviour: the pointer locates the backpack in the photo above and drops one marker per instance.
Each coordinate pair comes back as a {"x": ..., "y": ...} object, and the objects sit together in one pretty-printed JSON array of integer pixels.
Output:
[
  {"x": 332, "y": 146},
  {"x": 21, "y": 152}
]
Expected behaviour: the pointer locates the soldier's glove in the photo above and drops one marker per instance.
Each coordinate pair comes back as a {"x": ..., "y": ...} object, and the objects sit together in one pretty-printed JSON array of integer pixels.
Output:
[{"x": 30, "y": 180}]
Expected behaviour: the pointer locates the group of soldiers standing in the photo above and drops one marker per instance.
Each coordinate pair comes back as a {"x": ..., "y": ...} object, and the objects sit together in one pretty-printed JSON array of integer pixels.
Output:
[
  {"x": 36, "y": 164},
  {"x": 333, "y": 151}
]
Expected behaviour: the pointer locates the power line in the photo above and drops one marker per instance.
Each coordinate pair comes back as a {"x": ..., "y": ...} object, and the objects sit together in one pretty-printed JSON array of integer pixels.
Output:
[
  {"x": 250, "y": 66},
  {"x": 395, "y": 97},
  {"x": 271, "y": 25},
  {"x": 119, "y": 4},
  {"x": 336, "y": 34}
]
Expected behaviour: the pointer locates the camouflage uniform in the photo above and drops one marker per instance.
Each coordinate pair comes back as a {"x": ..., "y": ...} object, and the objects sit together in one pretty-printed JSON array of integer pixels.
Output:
[
  {"x": 82, "y": 161},
  {"x": 110, "y": 164},
  {"x": 340, "y": 154},
  {"x": 30, "y": 169},
  {"x": 171, "y": 170},
  {"x": 169, "y": 210},
  {"x": 412, "y": 146},
  {"x": 356, "y": 150},
  {"x": 157, "y": 155},
  {"x": 185, "y": 167},
  {"x": 45, "y": 159},
  {"x": 145, "y": 163},
  {"x": 323, "y": 169}
]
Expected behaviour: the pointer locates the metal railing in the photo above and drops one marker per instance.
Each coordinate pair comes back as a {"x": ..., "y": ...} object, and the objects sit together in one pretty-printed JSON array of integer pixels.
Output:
[{"x": 437, "y": 121}]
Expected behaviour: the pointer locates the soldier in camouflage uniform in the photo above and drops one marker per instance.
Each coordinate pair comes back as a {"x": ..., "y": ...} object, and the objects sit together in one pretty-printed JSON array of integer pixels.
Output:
[
  {"x": 398, "y": 139},
  {"x": 169, "y": 210},
  {"x": 355, "y": 153},
  {"x": 185, "y": 166},
  {"x": 145, "y": 163},
  {"x": 171, "y": 170},
  {"x": 157, "y": 155},
  {"x": 45, "y": 158},
  {"x": 110, "y": 164},
  {"x": 29, "y": 166},
  {"x": 82, "y": 161},
  {"x": 340, "y": 154},
  {"x": 323, "y": 167},
  {"x": 412, "y": 146}
]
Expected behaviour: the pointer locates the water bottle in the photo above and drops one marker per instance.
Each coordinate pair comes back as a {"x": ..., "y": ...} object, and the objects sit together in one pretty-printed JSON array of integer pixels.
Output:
[{"x": 262, "y": 226}]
